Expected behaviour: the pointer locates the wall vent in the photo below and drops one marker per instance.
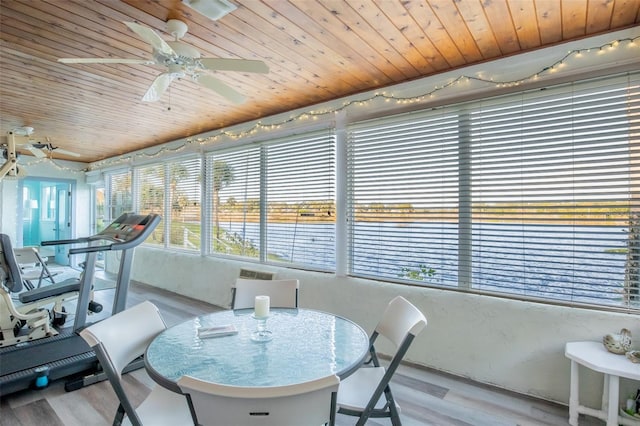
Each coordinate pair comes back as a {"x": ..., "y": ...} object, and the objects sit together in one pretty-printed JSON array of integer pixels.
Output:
[{"x": 255, "y": 275}]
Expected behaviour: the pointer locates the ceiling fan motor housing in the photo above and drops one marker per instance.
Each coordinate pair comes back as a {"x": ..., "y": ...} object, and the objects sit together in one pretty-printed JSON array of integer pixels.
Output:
[
  {"x": 184, "y": 50},
  {"x": 176, "y": 28}
]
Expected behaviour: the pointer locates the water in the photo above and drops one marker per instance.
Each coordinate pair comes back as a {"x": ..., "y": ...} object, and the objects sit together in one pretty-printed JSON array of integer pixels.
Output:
[{"x": 571, "y": 263}]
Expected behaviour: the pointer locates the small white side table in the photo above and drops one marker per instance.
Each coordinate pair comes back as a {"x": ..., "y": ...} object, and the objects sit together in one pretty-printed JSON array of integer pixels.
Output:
[{"x": 593, "y": 355}]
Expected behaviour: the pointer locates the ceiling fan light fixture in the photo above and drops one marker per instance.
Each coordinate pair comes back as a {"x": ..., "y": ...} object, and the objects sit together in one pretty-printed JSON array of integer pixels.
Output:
[
  {"x": 23, "y": 131},
  {"x": 212, "y": 9}
]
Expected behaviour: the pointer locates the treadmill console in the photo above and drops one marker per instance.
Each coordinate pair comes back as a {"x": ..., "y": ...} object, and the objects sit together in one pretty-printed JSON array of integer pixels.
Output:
[{"x": 127, "y": 227}]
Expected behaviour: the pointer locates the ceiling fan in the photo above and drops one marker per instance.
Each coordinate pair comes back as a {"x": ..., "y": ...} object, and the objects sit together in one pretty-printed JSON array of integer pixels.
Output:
[
  {"x": 23, "y": 140},
  {"x": 45, "y": 149},
  {"x": 181, "y": 60}
]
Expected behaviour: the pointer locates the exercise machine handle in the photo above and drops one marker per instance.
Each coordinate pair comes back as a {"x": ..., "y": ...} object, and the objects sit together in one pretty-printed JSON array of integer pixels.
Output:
[{"x": 61, "y": 242}]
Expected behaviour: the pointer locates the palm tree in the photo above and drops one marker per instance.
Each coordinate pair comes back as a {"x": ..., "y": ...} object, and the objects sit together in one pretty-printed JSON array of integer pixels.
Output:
[
  {"x": 178, "y": 173},
  {"x": 222, "y": 177}
]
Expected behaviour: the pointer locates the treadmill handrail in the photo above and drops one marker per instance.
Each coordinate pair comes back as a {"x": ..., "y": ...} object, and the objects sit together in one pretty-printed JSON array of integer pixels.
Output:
[
  {"x": 61, "y": 242},
  {"x": 90, "y": 249}
]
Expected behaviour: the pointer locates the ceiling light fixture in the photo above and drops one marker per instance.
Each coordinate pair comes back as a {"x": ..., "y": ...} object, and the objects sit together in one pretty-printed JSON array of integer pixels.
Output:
[
  {"x": 23, "y": 131},
  {"x": 212, "y": 9}
]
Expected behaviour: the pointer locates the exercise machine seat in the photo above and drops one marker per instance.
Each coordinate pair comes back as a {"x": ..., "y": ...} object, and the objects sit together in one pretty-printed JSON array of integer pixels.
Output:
[{"x": 67, "y": 286}]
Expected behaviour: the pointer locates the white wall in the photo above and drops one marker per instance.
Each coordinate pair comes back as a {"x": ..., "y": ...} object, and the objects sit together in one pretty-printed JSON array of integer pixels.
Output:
[{"x": 511, "y": 344}]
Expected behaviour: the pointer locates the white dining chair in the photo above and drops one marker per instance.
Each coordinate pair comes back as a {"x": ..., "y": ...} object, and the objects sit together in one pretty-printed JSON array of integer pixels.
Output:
[
  {"x": 282, "y": 293},
  {"x": 366, "y": 393},
  {"x": 117, "y": 341},
  {"x": 307, "y": 403}
]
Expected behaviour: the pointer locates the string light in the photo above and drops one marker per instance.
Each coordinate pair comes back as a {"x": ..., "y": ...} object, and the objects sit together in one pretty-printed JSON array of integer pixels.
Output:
[
  {"x": 460, "y": 80},
  {"x": 52, "y": 162}
]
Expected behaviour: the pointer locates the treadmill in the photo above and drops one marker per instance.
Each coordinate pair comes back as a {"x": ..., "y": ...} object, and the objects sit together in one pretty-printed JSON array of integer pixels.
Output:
[{"x": 65, "y": 354}]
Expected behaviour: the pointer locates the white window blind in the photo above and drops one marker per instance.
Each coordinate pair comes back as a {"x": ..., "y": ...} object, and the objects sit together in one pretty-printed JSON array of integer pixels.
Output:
[
  {"x": 403, "y": 197},
  {"x": 184, "y": 203},
  {"x": 300, "y": 200},
  {"x": 275, "y": 201},
  {"x": 555, "y": 192},
  {"x": 533, "y": 195},
  {"x": 150, "y": 190},
  {"x": 119, "y": 194},
  {"x": 233, "y": 184}
]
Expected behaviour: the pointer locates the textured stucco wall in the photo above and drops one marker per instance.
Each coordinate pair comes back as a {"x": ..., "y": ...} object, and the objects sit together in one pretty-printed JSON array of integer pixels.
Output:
[{"x": 510, "y": 344}]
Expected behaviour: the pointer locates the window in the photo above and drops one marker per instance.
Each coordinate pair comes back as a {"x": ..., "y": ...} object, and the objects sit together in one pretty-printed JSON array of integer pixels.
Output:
[
  {"x": 172, "y": 190},
  {"x": 150, "y": 185},
  {"x": 184, "y": 203},
  {"x": 275, "y": 201},
  {"x": 99, "y": 209},
  {"x": 119, "y": 194},
  {"x": 403, "y": 198},
  {"x": 300, "y": 201},
  {"x": 554, "y": 193},
  {"x": 533, "y": 195},
  {"x": 234, "y": 182},
  {"x": 48, "y": 197}
]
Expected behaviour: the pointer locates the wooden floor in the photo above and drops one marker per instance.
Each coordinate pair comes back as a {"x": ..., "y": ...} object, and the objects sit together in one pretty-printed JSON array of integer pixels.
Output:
[{"x": 426, "y": 397}]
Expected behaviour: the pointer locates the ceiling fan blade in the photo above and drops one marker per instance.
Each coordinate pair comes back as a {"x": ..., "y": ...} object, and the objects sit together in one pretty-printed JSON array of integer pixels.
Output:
[
  {"x": 151, "y": 37},
  {"x": 218, "y": 86},
  {"x": 158, "y": 87},
  {"x": 105, "y": 61},
  {"x": 35, "y": 151},
  {"x": 223, "y": 64},
  {"x": 65, "y": 152}
]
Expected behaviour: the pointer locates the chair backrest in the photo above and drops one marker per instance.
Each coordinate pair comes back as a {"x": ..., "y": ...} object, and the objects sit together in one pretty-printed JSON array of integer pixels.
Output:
[
  {"x": 120, "y": 339},
  {"x": 125, "y": 335},
  {"x": 400, "y": 320},
  {"x": 282, "y": 293},
  {"x": 27, "y": 255},
  {"x": 308, "y": 403},
  {"x": 12, "y": 277},
  {"x": 32, "y": 266}
]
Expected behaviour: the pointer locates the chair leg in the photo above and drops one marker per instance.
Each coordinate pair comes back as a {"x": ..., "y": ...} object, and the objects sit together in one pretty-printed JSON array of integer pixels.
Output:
[
  {"x": 334, "y": 409},
  {"x": 117, "y": 421},
  {"x": 395, "y": 416},
  {"x": 366, "y": 413},
  {"x": 393, "y": 408}
]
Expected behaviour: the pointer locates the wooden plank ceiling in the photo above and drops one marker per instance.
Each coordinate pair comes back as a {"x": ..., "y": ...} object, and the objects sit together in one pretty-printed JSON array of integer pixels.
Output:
[{"x": 317, "y": 50}]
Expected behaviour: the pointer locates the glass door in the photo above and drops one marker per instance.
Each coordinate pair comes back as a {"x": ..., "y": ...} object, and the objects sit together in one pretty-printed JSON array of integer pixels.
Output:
[{"x": 46, "y": 215}]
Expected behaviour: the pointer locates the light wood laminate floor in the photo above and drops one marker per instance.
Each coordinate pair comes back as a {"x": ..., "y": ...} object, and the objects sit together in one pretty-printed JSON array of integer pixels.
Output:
[{"x": 426, "y": 397}]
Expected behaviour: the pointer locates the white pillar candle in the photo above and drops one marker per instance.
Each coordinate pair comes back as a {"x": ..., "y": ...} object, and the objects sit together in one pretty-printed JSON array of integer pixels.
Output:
[{"x": 261, "y": 307}]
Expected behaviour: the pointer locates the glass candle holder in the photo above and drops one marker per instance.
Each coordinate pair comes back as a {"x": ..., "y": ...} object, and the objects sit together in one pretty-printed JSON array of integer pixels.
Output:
[{"x": 261, "y": 334}]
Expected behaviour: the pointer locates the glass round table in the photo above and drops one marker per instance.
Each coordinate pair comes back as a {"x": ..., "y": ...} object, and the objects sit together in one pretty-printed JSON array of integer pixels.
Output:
[{"x": 304, "y": 345}]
